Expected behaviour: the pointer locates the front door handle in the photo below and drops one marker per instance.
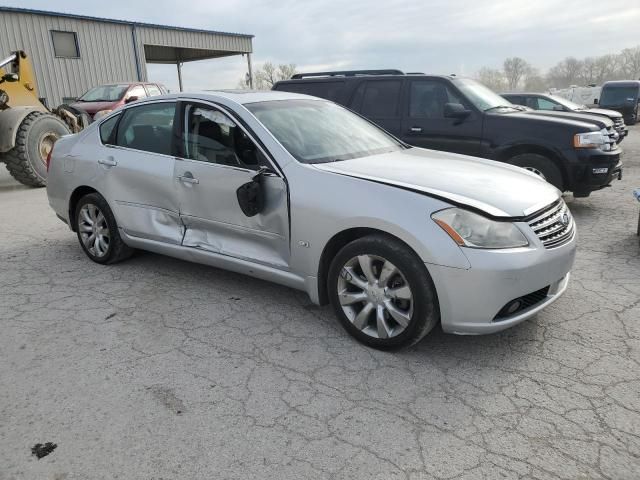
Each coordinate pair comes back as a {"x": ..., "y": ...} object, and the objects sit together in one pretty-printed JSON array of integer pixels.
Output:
[
  {"x": 416, "y": 129},
  {"x": 188, "y": 179},
  {"x": 108, "y": 162}
]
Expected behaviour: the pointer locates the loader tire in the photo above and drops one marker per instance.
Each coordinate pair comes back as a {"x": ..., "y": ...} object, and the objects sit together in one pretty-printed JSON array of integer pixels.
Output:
[{"x": 35, "y": 137}]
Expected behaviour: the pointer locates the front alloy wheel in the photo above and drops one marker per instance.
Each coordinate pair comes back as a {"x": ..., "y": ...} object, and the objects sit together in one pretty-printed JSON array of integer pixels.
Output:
[
  {"x": 375, "y": 296},
  {"x": 382, "y": 292}
]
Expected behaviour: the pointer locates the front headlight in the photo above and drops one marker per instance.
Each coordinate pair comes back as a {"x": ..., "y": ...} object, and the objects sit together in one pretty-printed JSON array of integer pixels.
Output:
[
  {"x": 101, "y": 113},
  {"x": 469, "y": 229},
  {"x": 588, "y": 140}
]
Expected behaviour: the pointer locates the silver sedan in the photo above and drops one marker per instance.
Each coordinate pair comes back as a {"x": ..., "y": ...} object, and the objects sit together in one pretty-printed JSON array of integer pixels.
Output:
[{"x": 302, "y": 192}]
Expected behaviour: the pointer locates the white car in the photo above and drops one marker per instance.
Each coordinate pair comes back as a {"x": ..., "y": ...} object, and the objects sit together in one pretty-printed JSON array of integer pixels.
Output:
[{"x": 305, "y": 193}]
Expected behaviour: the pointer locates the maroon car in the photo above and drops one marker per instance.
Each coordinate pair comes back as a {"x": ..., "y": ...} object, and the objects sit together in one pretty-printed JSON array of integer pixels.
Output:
[{"x": 101, "y": 100}]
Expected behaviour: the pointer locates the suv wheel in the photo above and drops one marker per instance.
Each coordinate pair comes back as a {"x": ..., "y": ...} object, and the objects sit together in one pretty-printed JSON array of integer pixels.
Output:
[
  {"x": 382, "y": 293},
  {"x": 541, "y": 166},
  {"x": 98, "y": 232}
]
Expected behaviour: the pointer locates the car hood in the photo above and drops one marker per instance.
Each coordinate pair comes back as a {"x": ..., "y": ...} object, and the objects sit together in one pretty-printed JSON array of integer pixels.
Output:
[
  {"x": 602, "y": 111},
  {"x": 599, "y": 120},
  {"x": 497, "y": 189},
  {"x": 93, "y": 107}
]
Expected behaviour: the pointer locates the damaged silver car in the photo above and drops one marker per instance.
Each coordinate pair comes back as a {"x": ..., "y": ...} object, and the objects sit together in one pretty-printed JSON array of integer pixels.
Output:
[{"x": 305, "y": 193}]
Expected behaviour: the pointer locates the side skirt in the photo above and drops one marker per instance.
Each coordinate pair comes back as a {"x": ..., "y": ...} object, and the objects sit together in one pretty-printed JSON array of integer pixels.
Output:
[{"x": 217, "y": 260}]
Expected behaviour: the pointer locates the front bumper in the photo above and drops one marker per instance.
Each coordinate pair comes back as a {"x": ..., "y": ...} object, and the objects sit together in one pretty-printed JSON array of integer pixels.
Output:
[
  {"x": 590, "y": 170},
  {"x": 471, "y": 299}
]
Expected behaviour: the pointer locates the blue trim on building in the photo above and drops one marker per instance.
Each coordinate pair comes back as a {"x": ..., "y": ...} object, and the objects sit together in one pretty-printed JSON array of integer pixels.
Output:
[{"x": 121, "y": 22}]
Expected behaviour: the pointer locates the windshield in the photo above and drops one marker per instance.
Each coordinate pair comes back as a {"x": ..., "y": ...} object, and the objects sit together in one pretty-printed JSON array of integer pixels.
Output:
[
  {"x": 104, "y": 93},
  {"x": 315, "y": 131},
  {"x": 482, "y": 97},
  {"x": 567, "y": 103},
  {"x": 618, "y": 95}
]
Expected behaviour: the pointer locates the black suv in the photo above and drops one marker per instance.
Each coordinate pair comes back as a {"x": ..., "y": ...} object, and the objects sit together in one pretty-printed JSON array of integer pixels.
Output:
[{"x": 463, "y": 116}]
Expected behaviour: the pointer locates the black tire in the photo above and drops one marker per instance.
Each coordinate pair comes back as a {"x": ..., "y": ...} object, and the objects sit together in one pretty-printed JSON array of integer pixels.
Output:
[
  {"x": 539, "y": 163},
  {"x": 425, "y": 312},
  {"x": 117, "y": 250},
  {"x": 25, "y": 161}
]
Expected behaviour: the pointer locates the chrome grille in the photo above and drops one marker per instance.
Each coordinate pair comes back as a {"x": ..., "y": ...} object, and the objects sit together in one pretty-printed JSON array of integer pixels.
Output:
[
  {"x": 554, "y": 225},
  {"x": 611, "y": 138}
]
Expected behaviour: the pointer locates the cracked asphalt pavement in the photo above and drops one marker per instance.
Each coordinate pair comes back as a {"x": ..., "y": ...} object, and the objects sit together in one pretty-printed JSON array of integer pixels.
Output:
[{"x": 162, "y": 369}]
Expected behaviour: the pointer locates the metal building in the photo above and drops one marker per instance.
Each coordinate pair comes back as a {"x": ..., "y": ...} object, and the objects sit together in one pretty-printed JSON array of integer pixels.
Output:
[{"x": 72, "y": 53}]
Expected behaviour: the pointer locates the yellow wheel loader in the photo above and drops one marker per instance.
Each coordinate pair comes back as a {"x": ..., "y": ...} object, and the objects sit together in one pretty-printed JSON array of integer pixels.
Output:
[{"x": 28, "y": 129}]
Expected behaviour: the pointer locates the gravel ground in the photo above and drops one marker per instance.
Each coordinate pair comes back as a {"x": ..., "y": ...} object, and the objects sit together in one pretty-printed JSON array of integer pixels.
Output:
[{"x": 161, "y": 369}]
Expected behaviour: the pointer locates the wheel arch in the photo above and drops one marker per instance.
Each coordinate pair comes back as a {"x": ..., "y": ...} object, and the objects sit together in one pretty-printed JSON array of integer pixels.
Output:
[
  {"x": 74, "y": 198},
  {"x": 335, "y": 244},
  {"x": 514, "y": 150}
]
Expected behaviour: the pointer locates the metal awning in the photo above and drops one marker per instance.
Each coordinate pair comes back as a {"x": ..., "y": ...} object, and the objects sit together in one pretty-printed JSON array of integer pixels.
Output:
[{"x": 173, "y": 55}]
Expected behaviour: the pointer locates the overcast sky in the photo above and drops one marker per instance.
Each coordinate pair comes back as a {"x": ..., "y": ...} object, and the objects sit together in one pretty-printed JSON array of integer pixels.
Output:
[{"x": 436, "y": 36}]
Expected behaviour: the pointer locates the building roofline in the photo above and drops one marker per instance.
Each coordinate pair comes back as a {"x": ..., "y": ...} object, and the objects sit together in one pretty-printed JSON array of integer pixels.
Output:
[{"x": 121, "y": 22}]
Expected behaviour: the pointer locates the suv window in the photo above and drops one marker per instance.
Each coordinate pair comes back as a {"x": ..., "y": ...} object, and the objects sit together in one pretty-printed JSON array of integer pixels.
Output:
[
  {"x": 211, "y": 136},
  {"x": 147, "y": 127},
  {"x": 516, "y": 99},
  {"x": 327, "y": 90},
  {"x": 544, "y": 104},
  {"x": 106, "y": 129},
  {"x": 153, "y": 90},
  {"x": 428, "y": 97},
  {"x": 378, "y": 98}
]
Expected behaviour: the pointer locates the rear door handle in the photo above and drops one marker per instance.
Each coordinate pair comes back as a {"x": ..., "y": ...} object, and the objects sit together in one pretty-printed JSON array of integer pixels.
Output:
[
  {"x": 187, "y": 179},
  {"x": 416, "y": 129},
  {"x": 108, "y": 162}
]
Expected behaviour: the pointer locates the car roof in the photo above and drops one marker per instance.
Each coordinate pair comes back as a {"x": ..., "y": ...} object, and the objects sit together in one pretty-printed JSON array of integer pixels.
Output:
[
  {"x": 623, "y": 83},
  {"x": 353, "y": 78},
  {"x": 241, "y": 97}
]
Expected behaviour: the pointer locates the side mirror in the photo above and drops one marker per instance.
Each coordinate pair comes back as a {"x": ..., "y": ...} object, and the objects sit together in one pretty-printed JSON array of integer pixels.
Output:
[
  {"x": 130, "y": 99},
  {"x": 251, "y": 194},
  {"x": 558, "y": 108},
  {"x": 455, "y": 110}
]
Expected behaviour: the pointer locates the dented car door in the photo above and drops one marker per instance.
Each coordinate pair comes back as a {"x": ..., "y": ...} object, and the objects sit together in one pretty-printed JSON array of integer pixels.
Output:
[
  {"x": 136, "y": 170},
  {"x": 216, "y": 157}
]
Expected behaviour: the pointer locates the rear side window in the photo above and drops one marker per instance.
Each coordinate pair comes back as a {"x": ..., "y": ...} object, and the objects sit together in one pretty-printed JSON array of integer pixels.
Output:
[
  {"x": 378, "y": 99},
  {"x": 106, "y": 129},
  {"x": 148, "y": 128},
  {"x": 327, "y": 90},
  {"x": 544, "y": 104}
]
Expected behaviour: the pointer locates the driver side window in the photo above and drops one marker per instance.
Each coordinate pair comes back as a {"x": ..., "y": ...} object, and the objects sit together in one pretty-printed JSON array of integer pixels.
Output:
[
  {"x": 213, "y": 137},
  {"x": 427, "y": 99}
]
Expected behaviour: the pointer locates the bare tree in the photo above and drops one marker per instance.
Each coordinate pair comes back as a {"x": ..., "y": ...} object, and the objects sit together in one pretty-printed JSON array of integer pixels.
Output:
[
  {"x": 566, "y": 73},
  {"x": 630, "y": 59},
  {"x": 492, "y": 78},
  {"x": 515, "y": 70},
  {"x": 588, "y": 73},
  {"x": 534, "y": 82},
  {"x": 605, "y": 67},
  {"x": 266, "y": 76},
  {"x": 269, "y": 74}
]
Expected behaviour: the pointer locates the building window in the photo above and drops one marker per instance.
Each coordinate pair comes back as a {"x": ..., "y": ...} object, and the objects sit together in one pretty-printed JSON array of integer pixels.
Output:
[{"x": 65, "y": 44}]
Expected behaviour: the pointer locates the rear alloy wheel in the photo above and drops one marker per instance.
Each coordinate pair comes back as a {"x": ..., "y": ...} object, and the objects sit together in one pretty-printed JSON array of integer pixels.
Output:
[
  {"x": 98, "y": 232},
  {"x": 382, "y": 293},
  {"x": 541, "y": 166}
]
